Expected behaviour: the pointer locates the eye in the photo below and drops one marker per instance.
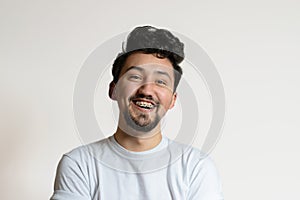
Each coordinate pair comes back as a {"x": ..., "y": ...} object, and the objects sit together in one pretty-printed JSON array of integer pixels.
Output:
[
  {"x": 135, "y": 77},
  {"x": 161, "y": 82}
]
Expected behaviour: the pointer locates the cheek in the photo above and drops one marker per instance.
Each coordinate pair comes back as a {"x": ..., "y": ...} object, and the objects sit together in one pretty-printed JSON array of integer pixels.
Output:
[
  {"x": 125, "y": 89},
  {"x": 166, "y": 98}
]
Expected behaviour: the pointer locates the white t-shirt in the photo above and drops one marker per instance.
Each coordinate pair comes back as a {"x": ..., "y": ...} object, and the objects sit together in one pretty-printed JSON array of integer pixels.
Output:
[{"x": 106, "y": 170}]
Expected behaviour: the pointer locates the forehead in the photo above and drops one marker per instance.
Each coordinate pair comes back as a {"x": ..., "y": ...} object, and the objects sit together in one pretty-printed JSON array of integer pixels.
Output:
[{"x": 142, "y": 59}]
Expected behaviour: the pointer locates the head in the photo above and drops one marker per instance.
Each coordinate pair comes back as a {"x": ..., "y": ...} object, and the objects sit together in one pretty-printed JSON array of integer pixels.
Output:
[
  {"x": 147, "y": 73},
  {"x": 150, "y": 40}
]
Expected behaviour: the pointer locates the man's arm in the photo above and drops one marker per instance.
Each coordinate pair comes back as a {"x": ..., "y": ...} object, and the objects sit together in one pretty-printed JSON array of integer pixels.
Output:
[
  {"x": 205, "y": 182},
  {"x": 70, "y": 181}
]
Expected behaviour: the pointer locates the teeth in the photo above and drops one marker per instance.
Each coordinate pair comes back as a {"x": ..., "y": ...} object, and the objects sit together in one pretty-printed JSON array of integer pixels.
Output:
[{"x": 144, "y": 104}]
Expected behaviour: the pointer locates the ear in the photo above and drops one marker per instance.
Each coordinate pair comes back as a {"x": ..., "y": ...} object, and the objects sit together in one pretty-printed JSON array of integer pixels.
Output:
[
  {"x": 111, "y": 92},
  {"x": 174, "y": 97}
]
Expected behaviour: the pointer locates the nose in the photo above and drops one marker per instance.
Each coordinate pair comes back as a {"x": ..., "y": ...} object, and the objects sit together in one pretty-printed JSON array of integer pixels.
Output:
[{"x": 146, "y": 89}]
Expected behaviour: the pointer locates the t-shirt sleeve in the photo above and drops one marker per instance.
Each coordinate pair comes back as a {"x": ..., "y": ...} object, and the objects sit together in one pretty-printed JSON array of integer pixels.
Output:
[
  {"x": 205, "y": 183},
  {"x": 70, "y": 181}
]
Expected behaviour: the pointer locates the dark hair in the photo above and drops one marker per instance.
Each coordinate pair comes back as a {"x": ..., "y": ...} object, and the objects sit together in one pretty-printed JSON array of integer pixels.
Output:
[{"x": 150, "y": 40}]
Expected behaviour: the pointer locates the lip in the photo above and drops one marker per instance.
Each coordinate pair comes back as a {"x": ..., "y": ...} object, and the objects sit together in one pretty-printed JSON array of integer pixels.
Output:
[
  {"x": 143, "y": 109},
  {"x": 144, "y": 100}
]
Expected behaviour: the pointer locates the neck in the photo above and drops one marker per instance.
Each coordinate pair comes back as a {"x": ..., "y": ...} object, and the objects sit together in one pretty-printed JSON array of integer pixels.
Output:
[{"x": 133, "y": 143}]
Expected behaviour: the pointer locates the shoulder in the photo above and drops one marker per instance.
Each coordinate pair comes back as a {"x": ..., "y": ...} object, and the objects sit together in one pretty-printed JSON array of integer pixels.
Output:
[
  {"x": 85, "y": 153},
  {"x": 203, "y": 180},
  {"x": 203, "y": 177},
  {"x": 73, "y": 174},
  {"x": 188, "y": 153},
  {"x": 193, "y": 160}
]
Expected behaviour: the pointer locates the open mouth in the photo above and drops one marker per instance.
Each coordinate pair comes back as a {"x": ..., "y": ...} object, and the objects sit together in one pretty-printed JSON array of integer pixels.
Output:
[{"x": 144, "y": 104}]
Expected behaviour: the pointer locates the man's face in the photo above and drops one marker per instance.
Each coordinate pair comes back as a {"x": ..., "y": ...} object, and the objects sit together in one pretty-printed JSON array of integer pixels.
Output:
[{"x": 144, "y": 91}]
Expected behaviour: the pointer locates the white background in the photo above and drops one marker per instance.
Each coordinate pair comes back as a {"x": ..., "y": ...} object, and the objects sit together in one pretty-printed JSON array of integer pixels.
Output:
[{"x": 254, "y": 44}]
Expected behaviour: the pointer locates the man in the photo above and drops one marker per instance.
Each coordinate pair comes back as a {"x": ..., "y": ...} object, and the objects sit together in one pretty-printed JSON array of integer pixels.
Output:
[{"x": 138, "y": 162}]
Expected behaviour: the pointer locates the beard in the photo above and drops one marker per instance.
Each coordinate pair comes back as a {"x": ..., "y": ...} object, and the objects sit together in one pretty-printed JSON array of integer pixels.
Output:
[{"x": 140, "y": 121}]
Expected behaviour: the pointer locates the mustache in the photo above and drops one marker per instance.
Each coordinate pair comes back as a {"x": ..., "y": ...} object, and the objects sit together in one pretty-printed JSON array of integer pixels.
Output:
[{"x": 143, "y": 96}]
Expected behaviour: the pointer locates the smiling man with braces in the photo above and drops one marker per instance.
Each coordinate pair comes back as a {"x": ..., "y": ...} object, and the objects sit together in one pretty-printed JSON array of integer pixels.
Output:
[{"x": 138, "y": 161}]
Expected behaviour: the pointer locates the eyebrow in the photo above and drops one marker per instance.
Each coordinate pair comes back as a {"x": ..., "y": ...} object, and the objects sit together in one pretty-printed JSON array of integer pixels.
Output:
[
  {"x": 163, "y": 73},
  {"x": 134, "y": 67},
  {"x": 141, "y": 70}
]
